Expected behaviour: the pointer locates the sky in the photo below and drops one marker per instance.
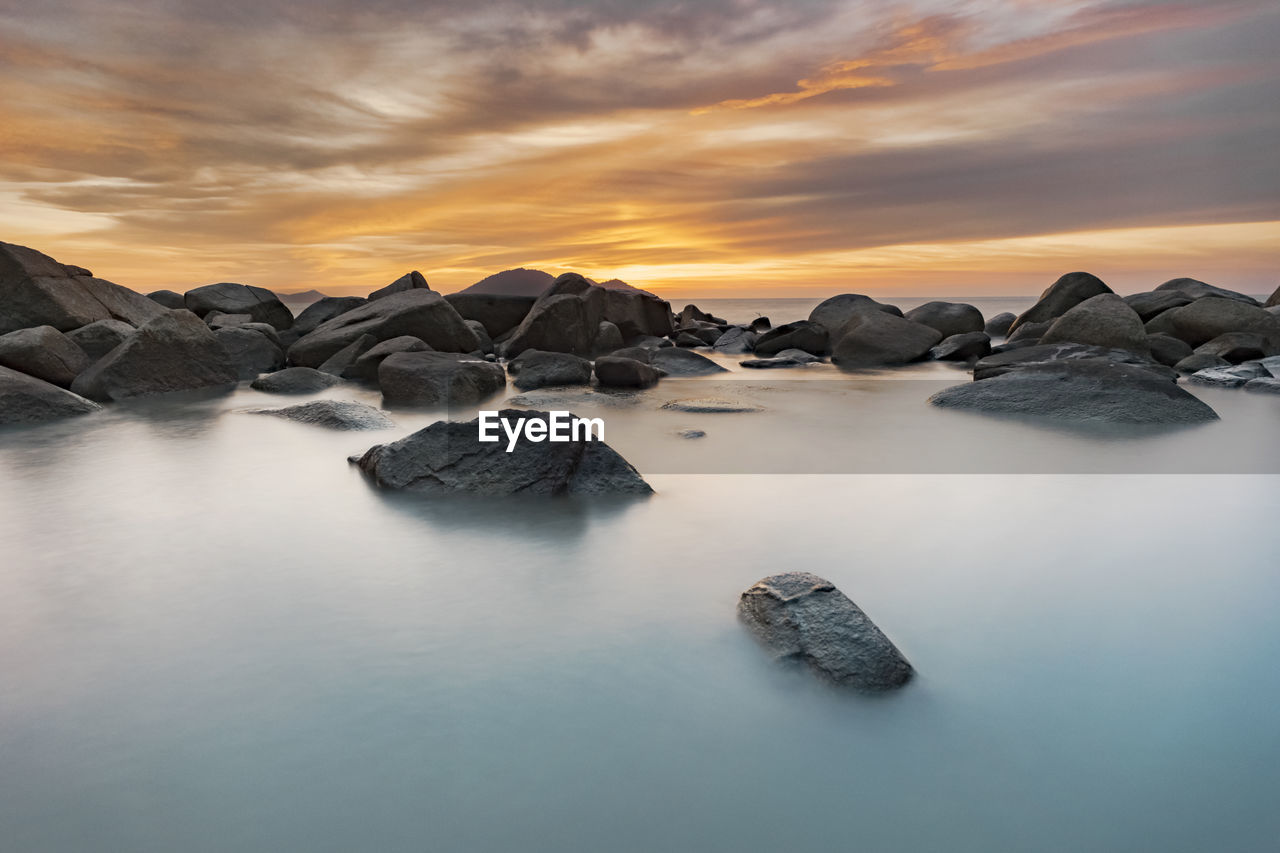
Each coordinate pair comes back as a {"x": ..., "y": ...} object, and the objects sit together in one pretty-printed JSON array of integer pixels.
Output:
[{"x": 691, "y": 147}]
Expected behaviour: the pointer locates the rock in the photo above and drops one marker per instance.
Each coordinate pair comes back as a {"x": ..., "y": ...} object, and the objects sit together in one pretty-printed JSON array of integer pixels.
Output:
[
  {"x": 27, "y": 400},
  {"x": 1236, "y": 347},
  {"x": 1194, "y": 289},
  {"x": 689, "y": 340},
  {"x": 331, "y": 414},
  {"x": 691, "y": 433},
  {"x": 1268, "y": 384},
  {"x": 1104, "y": 320},
  {"x": 1080, "y": 390},
  {"x": 682, "y": 362},
  {"x": 100, "y": 337},
  {"x": 999, "y": 364},
  {"x": 230, "y": 298},
  {"x": 295, "y": 380},
  {"x": 563, "y": 322},
  {"x": 1207, "y": 318},
  {"x": 1029, "y": 332},
  {"x": 1224, "y": 377},
  {"x": 736, "y": 341},
  {"x": 962, "y": 347},
  {"x": 169, "y": 299},
  {"x": 1060, "y": 297},
  {"x": 760, "y": 324},
  {"x": 636, "y": 312},
  {"x": 217, "y": 320},
  {"x": 802, "y": 617},
  {"x": 409, "y": 281},
  {"x": 448, "y": 457},
  {"x": 499, "y": 313},
  {"x": 807, "y": 335},
  {"x": 644, "y": 354},
  {"x": 174, "y": 352},
  {"x": 786, "y": 358},
  {"x": 344, "y": 359},
  {"x": 1154, "y": 303},
  {"x": 608, "y": 339},
  {"x": 1273, "y": 300},
  {"x": 538, "y": 369},
  {"x": 882, "y": 340},
  {"x": 438, "y": 379},
  {"x": 998, "y": 326},
  {"x": 1167, "y": 350},
  {"x": 420, "y": 313},
  {"x": 250, "y": 351},
  {"x": 36, "y": 290},
  {"x": 615, "y": 372},
  {"x": 949, "y": 318},
  {"x": 710, "y": 406},
  {"x": 691, "y": 314},
  {"x": 45, "y": 353},
  {"x": 835, "y": 313},
  {"x": 1195, "y": 363},
  {"x": 1271, "y": 365},
  {"x": 365, "y": 366},
  {"x": 323, "y": 310}
]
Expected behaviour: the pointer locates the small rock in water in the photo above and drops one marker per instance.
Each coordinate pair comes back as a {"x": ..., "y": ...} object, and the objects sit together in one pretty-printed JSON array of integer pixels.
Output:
[
  {"x": 295, "y": 380},
  {"x": 333, "y": 414},
  {"x": 691, "y": 433},
  {"x": 709, "y": 406},
  {"x": 802, "y": 617},
  {"x": 1228, "y": 377},
  {"x": 1267, "y": 384}
]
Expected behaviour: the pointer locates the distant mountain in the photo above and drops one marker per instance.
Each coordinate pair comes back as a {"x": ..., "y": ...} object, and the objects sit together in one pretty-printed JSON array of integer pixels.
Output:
[
  {"x": 517, "y": 282},
  {"x": 618, "y": 284},
  {"x": 301, "y": 296}
]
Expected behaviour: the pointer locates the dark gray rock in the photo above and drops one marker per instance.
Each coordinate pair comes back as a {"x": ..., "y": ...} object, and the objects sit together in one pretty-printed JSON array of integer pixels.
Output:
[
  {"x": 323, "y": 310},
  {"x": 1271, "y": 365},
  {"x": 1001, "y": 363},
  {"x": 949, "y": 318},
  {"x": 100, "y": 337},
  {"x": 36, "y": 290},
  {"x": 45, "y": 353},
  {"x": 1267, "y": 384},
  {"x": 538, "y": 369},
  {"x": 691, "y": 314},
  {"x": 636, "y": 312},
  {"x": 962, "y": 347},
  {"x": 27, "y": 400},
  {"x": 1029, "y": 332},
  {"x": 760, "y": 324},
  {"x": 365, "y": 367},
  {"x": 691, "y": 433},
  {"x": 1229, "y": 377},
  {"x": 1060, "y": 297},
  {"x": 1167, "y": 350},
  {"x": 168, "y": 298},
  {"x": 615, "y": 372},
  {"x": 710, "y": 406},
  {"x": 1080, "y": 390},
  {"x": 644, "y": 354},
  {"x": 230, "y": 298},
  {"x": 409, "y": 281},
  {"x": 561, "y": 322},
  {"x": 682, "y": 362},
  {"x": 438, "y": 379},
  {"x": 250, "y": 351},
  {"x": 1195, "y": 289},
  {"x": 419, "y": 313},
  {"x": 1195, "y": 363},
  {"x": 835, "y": 313},
  {"x": 608, "y": 339},
  {"x": 807, "y": 335},
  {"x": 1211, "y": 316},
  {"x": 784, "y": 359},
  {"x": 295, "y": 380},
  {"x": 801, "y": 617},
  {"x": 736, "y": 341},
  {"x": 174, "y": 352},
  {"x": 689, "y": 340},
  {"x": 1273, "y": 300},
  {"x": 1104, "y": 320},
  {"x": 882, "y": 340},
  {"x": 1154, "y": 303},
  {"x": 331, "y": 414},
  {"x": 998, "y": 326},
  {"x": 344, "y": 359},
  {"x": 1237, "y": 347},
  {"x": 449, "y": 458},
  {"x": 500, "y": 313},
  {"x": 217, "y": 320}
]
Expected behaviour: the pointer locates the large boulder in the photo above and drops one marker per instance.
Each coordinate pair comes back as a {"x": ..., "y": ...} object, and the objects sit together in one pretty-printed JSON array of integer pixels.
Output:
[
  {"x": 230, "y": 298},
  {"x": 615, "y": 372},
  {"x": 498, "y": 312},
  {"x": 998, "y": 326},
  {"x": 36, "y": 290},
  {"x": 736, "y": 341},
  {"x": 538, "y": 369},
  {"x": 323, "y": 310},
  {"x": 637, "y": 312},
  {"x": 1207, "y": 318},
  {"x": 421, "y": 313},
  {"x": 1273, "y": 300},
  {"x": 27, "y": 400},
  {"x": 331, "y": 414},
  {"x": 808, "y": 335},
  {"x": 1060, "y": 297},
  {"x": 998, "y": 364},
  {"x": 1168, "y": 350},
  {"x": 949, "y": 318},
  {"x": 1104, "y": 320},
  {"x": 1236, "y": 347},
  {"x": 801, "y": 617},
  {"x": 835, "y": 313},
  {"x": 174, "y": 352},
  {"x": 409, "y": 281},
  {"x": 250, "y": 351},
  {"x": 882, "y": 340},
  {"x": 365, "y": 366},
  {"x": 438, "y": 379},
  {"x": 674, "y": 361},
  {"x": 295, "y": 380},
  {"x": 1194, "y": 289},
  {"x": 1080, "y": 390},
  {"x": 1154, "y": 303},
  {"x": 344, "y": 359},
  {"x": 45, "y": 353},
  {"x": 962, "y": 347},
  {"x": 560, "y": 322},
  {"x": 448, "y": 457},
  {"x": 101, "y": 337},
  {"x": 168, "y": 298}
]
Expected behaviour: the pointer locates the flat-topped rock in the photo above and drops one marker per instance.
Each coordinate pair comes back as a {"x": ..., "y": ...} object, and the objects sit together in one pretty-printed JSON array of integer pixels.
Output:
[
  {"x": 331, "y": 414},
  {"x": 295, "y": 380},
  {"x": 710, "y": 406},
  {"x": 681, "y": 362}
]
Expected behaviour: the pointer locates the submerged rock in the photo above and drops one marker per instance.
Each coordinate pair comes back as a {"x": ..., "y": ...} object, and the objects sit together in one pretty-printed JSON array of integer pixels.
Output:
[
  {"x": 682, "y": 362},
  {"x": 295, "y": 380},
  {"x": 331, "y": 414},
  {"x": 709, "y": 406},
  {"x": 448, "y": 457},
  {"x": 27, "y": 400},
  {"x": 802, "y": 617}
]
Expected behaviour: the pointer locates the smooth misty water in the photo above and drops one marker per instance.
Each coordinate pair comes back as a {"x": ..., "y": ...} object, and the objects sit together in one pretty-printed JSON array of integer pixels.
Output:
[{"x": 214, "y": 636}]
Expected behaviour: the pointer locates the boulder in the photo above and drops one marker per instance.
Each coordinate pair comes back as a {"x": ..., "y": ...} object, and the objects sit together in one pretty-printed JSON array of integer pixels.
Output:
[
  {"x": 1193, "y": 289},
  {"x": 636, "y": 312},
  {"x": 1060, "y": 297},
  {"x": 1227, "y": 377},
  {"x": 691, "y": 314},
  {"x": 807, "y": 335},
  {"x": 736, "y": 341},
  {"x": 561, "y": 322},
  {"x": 331, "y": 414},
  {"x": 615, "y": 372},
  {"x": 1273, "y": 300},
  {"x": 801, "y": 617},
  {"x": 1236, "y": 347},
  {"x": 100, "y": 337},
  {"x": 682, "y": 362},
  {"x": 250, "y": 351},
  {"x": 448, "y": 457},
  {"x": 295, "y": 380},
  {"x": 1080, "y": 390},
  {"x": 998, "y": 326},
  {"x": 962, "y": 347},
  {"x": 438, "y": 379},
  {"x": 27, "y": 400},
  {"x": 217, "y": 320},
  {"x": 45, "y": 353},
  {"x": 1167, "y": 350},
  {"x": 36, "y": 290},
  {"x": 1207, "y": 318},
  {"x": 420, "y": 313},
  {"x": 498, "y": 313},
  {"x": 998, "y": 364},
  {"x": 1271, "y": 365},
  {"x": 1028, "y": 332},
  {"x": 365, "y": 367},
  {"x": 344, "y": 359},
  {"x": 608, "y": 339},
  {"x": 1104, "y": 320},
  {"x": 786, "y": 358},
  {"x": 1195, "y": 363},
  {"x": 174, "y": 352},
  {"x": 689, "y": 340},
  {"x": 230, "y": 298},
  {"x": 644, "y": 354},
  {"x": 882, "y": 340},
  {"x": 949, "y": 318},
  {"x": 538, "y": 369},
  {"x": 835, "y": 313},
  {"x": 1268, "y": 384},
  {"x": 323, "y": 310},
  {"x": 409, "y": 281},
  {"x": 168, "y": 298},
  {"x": 1154, "y": 303},
  {"x": 760, "y": 324}
]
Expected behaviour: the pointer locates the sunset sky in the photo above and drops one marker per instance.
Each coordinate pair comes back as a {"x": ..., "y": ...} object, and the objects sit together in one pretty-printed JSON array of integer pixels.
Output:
[{"x": 703, "y": 147}]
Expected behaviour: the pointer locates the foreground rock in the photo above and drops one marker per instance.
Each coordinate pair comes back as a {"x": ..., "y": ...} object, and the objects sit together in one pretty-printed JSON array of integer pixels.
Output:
[
  {"x": 231, "y": 298},
  {"x": 332, "y": 414},
  {"x": 537, "y": 369},
  {"x": 295, "y": 380},
  {"x": 448, "y": 457},
  {"x": 27, "y": 400},
  {"x": 101, "y": 337},
  {"x": 45, "y": 353},
  {"x": 174, "y": 352},
  {"x": 1060, "y": 297},
  {"x": 681, "y": 362},
  {"x": 420, "y": 313},
  {"x": 883, "y": 340},
  {"x": 438, "y": 379},
  {"x": 802, "y": 617},
  {"x": 1080, "y": 390}
]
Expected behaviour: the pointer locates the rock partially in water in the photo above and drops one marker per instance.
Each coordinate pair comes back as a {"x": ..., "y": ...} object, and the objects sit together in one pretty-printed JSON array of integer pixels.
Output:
[
  {"x": 1228, "y": 377},
  {"x": 691, "y": 433},
  {"x": 1194, "y": 363},
  {"x": 949, "y": 318},
  {"x": 801, "y": 617},
  {"x": 27, "y": 400},
  {"x": 331, "y": 414},
  {"x": 682, "y": 362},
  {"x": 736, "y": 341},
  {"x": 1000, "y": 363},
  {"x": 252, "y": 352},
  {"x": 882, "y": 340},
  {"x": 710, "y": 406},
  {"x": 614, "y": 372},
  {"x": 295, "y": 380},
  {"x": 786, "y": 358},
  {"x": 438, "y": 379},
  {"x": 449, "y": 458},
  {"x": 998, "y": 326},
  {"x": 535, "y": 368},
  {"x": 962, "y": 347},
  {"x": 804, "y": 335},
  {"x": 1267, "y": 384},
  {"x": 45, "y": 353}
]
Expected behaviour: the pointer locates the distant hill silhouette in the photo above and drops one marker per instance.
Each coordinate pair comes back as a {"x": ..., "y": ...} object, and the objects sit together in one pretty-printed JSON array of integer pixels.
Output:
[
  {"x": 517, "y": 282},
  {"x": 302, "y": 295}
]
